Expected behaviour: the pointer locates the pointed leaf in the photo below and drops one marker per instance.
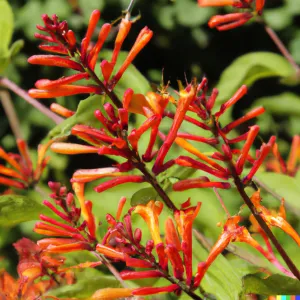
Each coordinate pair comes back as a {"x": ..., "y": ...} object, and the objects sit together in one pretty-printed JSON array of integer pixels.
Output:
[
  {"x": 15, "y": 209},
  {"x": 274, "y": 285}
]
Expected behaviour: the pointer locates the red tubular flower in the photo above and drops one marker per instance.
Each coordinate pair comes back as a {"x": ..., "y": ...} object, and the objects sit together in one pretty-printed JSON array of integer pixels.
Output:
[
  {"x": 186, "y": 161},
  {"x": 137, "y": 263},
  {"x": 103, "y": 34},
  {"x": 184, "y": 219},
  {"x": 246, "y": 148},
  {"x": 133, "y": 275},
  {"x": 205, "y": 3},
  {"x": 262, "y": 154},
  {"x": 250, "y": 115},
  {"x": 150, "y": 214},
  {"x": 53, "y": 84},
  {"x": 94, "y": 18},
  {"x": 229, "y": 21},
  {"x": 144, "y": 291},
  {"x": 183, "y": 104},
  {"x": 141, "y": 41},
  {"x": 176, "y": 261},
  {"x": 117, "y": 181},
  {"x": 259, "y": 6},
  {"x": 241, "y": 92},
  {"x": 54, "y": 61},
  {"x": 64, "y": 90},
  {"x": 201, "y": 182},
  {"x": 172, "y": 237}
]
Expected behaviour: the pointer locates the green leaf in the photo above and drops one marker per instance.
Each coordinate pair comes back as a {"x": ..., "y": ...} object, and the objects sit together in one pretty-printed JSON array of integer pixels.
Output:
[
  {"x": 249, "y": 68},
  {"x": 88, "y": 281},
  {"x": 15, "y": 209},
  {"x": 286, "y": 186},
  {"x": 83, "y": 115},
  {"x": 6, "y": 26},
  {"x": 6, "y": 31},
  {"x": 278, "y": 18},
  {"x": 16, "y": 48},
  {"x": 285, "y": 104},
  {"x": 189, "y": 14},
  {"x": 221, "y": 279},
  {"x": 274, "y": 285},
  {"x": 143, "y": 196},
  {"x": 87, "y": 7}
]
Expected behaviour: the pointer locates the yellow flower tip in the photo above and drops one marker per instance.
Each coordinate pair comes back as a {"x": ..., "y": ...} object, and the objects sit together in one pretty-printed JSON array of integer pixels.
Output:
[
  {"x": 137, "y": 104},
  {"x": 111, "y": 293},
  {"x": 71, "y": 149},
  {"x": 205, "y": 3},
  {"x": 150, "y": 214}
]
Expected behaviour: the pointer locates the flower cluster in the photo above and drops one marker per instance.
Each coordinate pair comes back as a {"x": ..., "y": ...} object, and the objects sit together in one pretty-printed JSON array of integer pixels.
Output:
[
  {"x": 61, "y": 41},
  {"x": 20, "y": 173},
  {"x": 230, "y": 164},
  {"x": 233, "y": 20},
  {"x": 37, "y": 273}
]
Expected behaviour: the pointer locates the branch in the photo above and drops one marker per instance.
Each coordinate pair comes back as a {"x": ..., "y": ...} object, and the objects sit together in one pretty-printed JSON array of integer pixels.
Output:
[
  {"x": 160, "y": 191},
  {"x": 282, "y": 48},
  {"x": 11, "y": 114},
  {"x": 23, "y": 94}
]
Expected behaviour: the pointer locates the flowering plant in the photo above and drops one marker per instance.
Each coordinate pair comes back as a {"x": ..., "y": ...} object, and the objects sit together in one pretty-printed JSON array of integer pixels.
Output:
[{"x": 175, "y": 153}]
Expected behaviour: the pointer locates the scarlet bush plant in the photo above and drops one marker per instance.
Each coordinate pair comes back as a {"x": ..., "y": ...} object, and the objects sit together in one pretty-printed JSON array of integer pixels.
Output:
[{"x": 156, "y": 245}]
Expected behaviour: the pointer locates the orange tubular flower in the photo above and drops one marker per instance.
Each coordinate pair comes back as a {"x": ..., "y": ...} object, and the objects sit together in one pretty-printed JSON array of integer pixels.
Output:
[
  {"x": 111, "y": 294},
  {"x": 184, "y": 219},
  {"x": 21, "y": 167},
  {"x": 150, "y": 214},
  {"x": 277, "y": 220}
]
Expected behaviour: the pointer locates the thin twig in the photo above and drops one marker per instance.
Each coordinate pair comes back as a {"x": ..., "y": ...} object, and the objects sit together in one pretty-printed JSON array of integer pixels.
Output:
[
  {"x": 111, "y": 268},
  {"x": 222, "y": 202},
  {"x": 11, "y": 114},
  {"x": 23, "y": 94},
  {"x": 282, "y": 48}
]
